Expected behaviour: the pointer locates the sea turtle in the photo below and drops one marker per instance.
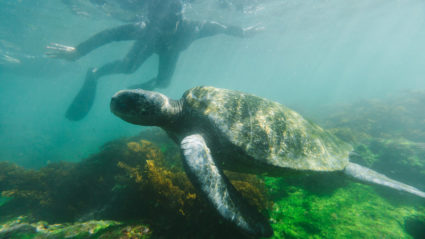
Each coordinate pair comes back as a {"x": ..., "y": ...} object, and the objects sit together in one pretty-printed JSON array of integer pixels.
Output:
[{"x": 224, "y": 129}]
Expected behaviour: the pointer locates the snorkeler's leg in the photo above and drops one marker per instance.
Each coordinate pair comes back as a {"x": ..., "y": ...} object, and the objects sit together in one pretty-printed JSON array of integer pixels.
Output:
[
  {"x": 83, "y": 101},
  {"x": 137, "y": 55},
  {"x": 167, "y": 65},
  {"x": 120, "y": 33}
]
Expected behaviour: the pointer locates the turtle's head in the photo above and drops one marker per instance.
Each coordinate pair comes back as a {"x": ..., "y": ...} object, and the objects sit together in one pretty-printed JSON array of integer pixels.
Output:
[{"x": 144, "y": 107}]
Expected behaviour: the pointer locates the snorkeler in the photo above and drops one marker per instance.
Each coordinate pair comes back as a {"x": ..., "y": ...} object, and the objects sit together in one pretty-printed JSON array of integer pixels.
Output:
[{"x": 165, "y": 33}]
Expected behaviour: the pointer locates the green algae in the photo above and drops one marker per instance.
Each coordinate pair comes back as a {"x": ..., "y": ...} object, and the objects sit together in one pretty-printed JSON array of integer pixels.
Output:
[
  {"x": 353, "y": 211},
  {"x": 22, "y": 228},
  {"x": 387, "y": 136},
  {"x": 303, "y": 207},
  {"x": 3, "y": 200}
]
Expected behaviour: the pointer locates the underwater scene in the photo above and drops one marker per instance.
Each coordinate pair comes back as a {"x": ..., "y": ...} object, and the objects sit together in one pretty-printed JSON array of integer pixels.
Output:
[{"x": 212, "y": 119}]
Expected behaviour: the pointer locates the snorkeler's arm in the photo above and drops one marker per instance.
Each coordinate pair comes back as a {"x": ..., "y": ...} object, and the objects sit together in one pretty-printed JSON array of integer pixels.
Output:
[
  {"x": 207, "y": 29},
  {"x": 120, "y": 33}
]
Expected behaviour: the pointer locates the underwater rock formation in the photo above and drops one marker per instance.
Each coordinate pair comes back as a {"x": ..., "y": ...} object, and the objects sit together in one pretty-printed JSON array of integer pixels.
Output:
[
  {"x": 398, "y": 116},
  {"x": 388, "y": 134},
  {"x": 352, "y": 211},
  {"x": 415, "y": 226},
  {"x": 20, "y": 227},
  {"x": 131, "y": 179},
  {"x": 401, "y": 159},
  {"x": 136, "y": 188}
]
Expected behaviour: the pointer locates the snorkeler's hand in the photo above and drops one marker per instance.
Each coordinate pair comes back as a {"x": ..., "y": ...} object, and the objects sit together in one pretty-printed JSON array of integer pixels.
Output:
[
  {"x": 253, "y": 30},
  {"x": 62, "y": 52}
]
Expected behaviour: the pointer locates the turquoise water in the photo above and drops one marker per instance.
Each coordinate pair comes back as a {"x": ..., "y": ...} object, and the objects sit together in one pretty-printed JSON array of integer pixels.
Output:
[
  {"x": 333, "y": 61},
  {"x": 311, "y": 53}
]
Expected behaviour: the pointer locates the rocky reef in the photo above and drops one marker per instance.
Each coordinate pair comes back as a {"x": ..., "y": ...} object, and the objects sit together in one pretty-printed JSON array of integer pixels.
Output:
[
  {"x": 132, "y": 181},
  {"x": 326, "y": 208},
  {"x": 400, "y": 115},
  {"x": 388, "y": 134}
]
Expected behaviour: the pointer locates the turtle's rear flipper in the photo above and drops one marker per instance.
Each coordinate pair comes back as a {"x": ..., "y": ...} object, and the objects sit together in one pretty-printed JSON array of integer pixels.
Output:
[
  {"x": 368, "y": 175},
  {"x": 83, "y": 101},
  {"x": 211, "y": 182}
]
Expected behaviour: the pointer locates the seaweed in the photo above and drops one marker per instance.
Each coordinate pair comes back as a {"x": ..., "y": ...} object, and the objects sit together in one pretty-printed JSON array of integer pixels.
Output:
[
  {"x": 21, "y": 227},
  {"x": 131, "y": 180},
  {"x": 352, "y": 211}
]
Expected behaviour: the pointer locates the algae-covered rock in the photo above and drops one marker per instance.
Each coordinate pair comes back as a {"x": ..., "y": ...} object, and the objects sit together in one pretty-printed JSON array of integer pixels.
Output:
[
  {"x": 415, "y": 226},
  {"x": 352, "y": 211},
  {"x": 132, "y": 179},
  {"x": 397, "y": 116},
  {"x": 388, "y": 135},
  {"x": 136, "y": 188},
  {"x": 22, "y": 227},
  {"x": 400, "y": 159}
]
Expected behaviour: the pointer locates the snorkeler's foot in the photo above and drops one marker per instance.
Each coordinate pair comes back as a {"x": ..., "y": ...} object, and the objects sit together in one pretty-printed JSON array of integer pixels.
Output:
[
  {"x": 83, "y": 101},
  {"x": 149, "y": 85}
]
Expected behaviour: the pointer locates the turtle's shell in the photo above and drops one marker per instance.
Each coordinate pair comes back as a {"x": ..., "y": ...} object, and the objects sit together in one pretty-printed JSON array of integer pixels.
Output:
[{"x": 268, "y": 131}]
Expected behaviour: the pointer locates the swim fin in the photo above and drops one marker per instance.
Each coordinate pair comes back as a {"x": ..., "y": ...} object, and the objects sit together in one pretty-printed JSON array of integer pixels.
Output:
[{"x": 83, "y": 101}]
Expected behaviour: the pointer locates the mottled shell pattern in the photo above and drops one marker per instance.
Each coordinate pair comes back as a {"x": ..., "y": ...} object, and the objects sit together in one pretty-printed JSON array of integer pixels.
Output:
[{"x": 268, "y": 131}]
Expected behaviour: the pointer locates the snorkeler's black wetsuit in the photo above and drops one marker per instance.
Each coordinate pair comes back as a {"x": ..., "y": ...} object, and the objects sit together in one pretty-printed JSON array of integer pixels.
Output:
[
  {"x": 167, "y": 35},
  {"x": 151, "y": 40}
]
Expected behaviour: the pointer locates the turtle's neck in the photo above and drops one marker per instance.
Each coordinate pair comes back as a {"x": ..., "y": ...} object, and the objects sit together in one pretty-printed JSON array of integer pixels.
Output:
[{"x": 172, "y": 112}]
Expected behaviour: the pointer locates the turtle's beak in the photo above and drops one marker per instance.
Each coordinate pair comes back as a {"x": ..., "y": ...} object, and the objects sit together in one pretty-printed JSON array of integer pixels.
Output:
[
  {"x": 136, "y": 106},
  {"x": 125, "y": 103},
  {"x": 116, "y": 102},
  {"x": 114, "y": 105},
  {"x": 141, "y": 107}
]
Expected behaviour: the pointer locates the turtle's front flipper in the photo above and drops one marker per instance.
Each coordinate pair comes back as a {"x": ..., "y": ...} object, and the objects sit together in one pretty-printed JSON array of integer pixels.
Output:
[
  {"x": 368, "y": 175},
  {"x": 211, "y": 182},
  {"x": 83, "y": 101}
]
